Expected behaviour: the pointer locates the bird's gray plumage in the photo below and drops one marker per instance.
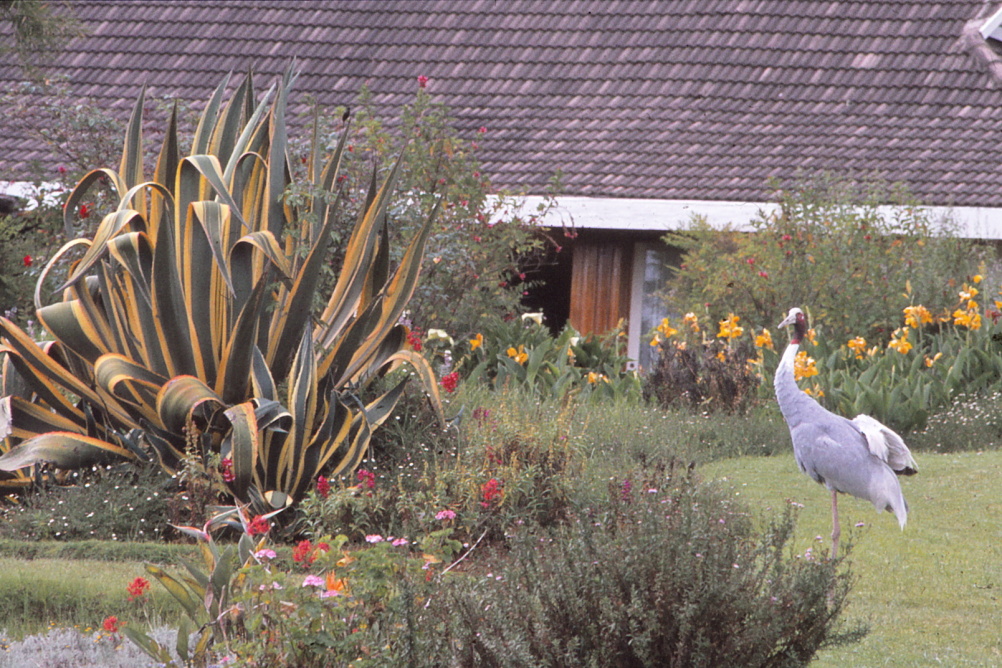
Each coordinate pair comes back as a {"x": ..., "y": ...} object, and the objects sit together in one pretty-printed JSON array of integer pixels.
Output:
[{"x": 858, "y": 457}]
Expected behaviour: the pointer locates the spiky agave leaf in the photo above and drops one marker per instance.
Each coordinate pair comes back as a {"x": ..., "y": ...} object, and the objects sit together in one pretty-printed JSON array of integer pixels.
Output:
[{"x": 191, "y": 307}]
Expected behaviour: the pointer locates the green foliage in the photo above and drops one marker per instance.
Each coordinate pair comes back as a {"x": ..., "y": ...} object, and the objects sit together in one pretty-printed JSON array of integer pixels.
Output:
[
  {"x": 189, "y": 325},
  {"x": 830, "y": 246},
  {"x": 509, "y": 353},
  {"x": 481, "y": 242},
  {"x": 670, "y": 574},
  {"x": 122, "y": 503}
]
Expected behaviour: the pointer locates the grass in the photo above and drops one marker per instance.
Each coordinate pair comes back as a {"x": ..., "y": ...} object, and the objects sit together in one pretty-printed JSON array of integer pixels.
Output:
[
  {"x": 930, "y": 593},
  {"x": 73, "y": 592}
]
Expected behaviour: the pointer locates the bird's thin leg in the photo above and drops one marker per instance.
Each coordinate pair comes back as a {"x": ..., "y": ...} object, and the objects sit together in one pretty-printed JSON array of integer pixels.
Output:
[{"x": 836, "y": 529}]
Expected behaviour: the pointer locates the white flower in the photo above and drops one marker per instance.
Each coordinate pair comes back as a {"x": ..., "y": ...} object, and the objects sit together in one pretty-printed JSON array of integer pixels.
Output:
[{"x": 535, "y": 317}]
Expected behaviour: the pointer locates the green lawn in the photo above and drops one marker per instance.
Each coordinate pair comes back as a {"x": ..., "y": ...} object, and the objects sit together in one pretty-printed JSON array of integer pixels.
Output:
[{"x": 930, "y": 593}]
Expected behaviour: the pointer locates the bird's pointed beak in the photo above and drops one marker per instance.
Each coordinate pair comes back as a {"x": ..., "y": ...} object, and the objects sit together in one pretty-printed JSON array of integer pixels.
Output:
[{"x": 789, "y": 320}]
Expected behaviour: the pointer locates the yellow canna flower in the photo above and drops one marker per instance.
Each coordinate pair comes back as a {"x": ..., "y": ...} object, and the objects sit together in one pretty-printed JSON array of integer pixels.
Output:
[
  {"x": 721, "y": 356},
  {"x": 519, "y": 355},
  {"x": 916, "y": 316},
  {"x": 655, "y": 341},
  {"x": 815, "y": 391},
  {"x": 476, "y": 342},
  {"x": 858, "y": 346},
  {"x": 900, "y": 341},
  {"x": 594, "y": 378},
  {"x": 929, "y": 361},
  {"x": 968, "y": 293},
  {"x": 804, "y": 366},
  {"x": 764, "y": 340},
  {"x": 970, "y": 318},
  {"x": 977, "y": 278},
  {"x": 667, "y": 330},
  {"x": 691, "y": 321},
  {"x": 729, "y": 328},
  {"x": 812, "y": 335}
]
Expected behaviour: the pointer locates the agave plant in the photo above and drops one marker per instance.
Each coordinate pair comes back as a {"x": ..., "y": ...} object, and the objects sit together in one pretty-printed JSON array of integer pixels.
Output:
[{"x": 186, "y": 326}]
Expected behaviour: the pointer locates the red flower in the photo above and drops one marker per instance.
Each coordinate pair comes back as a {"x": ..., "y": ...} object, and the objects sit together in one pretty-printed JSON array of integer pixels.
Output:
[
  {"x": 414, "y": 339},
  {"x": 449, "y": 381},
  {"x": 422, "y": 81},
  {"x": 61, "y": 169},
  {"x": 482, "y": 129},
  {"x": 258, "y": 525},
  {"x": 111, "y": 624},
  {"x": 226, "y": 469},
  {"x": 84, "y": 211},
  {"x": 136, "y": 589},
  {"x": 763, "y": 274},
  {"x": 27, "y": 260},
  {"x": 300, "y": 553},
  {"x": 323, "y": 487}
]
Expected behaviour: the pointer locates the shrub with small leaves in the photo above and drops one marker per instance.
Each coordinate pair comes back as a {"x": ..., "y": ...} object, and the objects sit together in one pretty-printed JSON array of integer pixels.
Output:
[{"x": 671, "y": 574}]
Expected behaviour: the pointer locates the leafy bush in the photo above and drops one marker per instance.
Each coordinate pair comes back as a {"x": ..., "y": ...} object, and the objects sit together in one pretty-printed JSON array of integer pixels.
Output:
[
  {"x": 830, "y": 247},
  {"x": 671, "y": 574},
  {"x": 188, "y": 326}
]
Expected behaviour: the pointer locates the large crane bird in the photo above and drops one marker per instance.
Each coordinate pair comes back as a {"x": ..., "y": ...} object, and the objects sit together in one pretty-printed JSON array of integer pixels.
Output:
[{"x": 861, "y": 456}]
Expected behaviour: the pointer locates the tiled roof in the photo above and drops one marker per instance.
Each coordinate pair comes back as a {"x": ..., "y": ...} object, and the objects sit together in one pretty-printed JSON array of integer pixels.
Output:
[{"x": 668, "y": 99}]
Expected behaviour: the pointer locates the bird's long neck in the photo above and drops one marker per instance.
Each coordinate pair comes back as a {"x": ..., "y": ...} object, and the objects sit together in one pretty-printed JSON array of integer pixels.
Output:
[{"x": 788, "y": 393}]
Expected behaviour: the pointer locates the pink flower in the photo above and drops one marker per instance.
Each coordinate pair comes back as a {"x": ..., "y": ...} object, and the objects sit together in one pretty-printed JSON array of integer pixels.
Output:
[
  {"x": 422, "y": 81},
  {"x": 313, "y": 581},
  {"x": 763, "y": 274},
  {"x": 61, "y": 169},
  {"x": 374, "y": 538},
  {"x": 262, "y": 555},
  {"x": 400, "y": 541},
  {"x": 366, "y": 478},
  {"x": 446, "y": 515},
  {"x": 482, "y": 130}
]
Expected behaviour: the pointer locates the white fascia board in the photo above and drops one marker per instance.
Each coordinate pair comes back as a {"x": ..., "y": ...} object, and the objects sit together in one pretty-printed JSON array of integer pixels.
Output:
[
  {"x": 993, "y": 26},
  {"x": 665, "y": 215}
]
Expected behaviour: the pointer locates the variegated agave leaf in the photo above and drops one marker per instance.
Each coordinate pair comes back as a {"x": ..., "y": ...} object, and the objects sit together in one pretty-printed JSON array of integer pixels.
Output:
[{"x": 188, "y": 317}]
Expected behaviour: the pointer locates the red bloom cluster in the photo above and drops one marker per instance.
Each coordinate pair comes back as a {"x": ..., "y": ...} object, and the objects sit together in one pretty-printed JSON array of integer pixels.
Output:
[
  {"x": 259, "y": 525},
  {"x": 226, "y": 469},
  {"x": 449, "y": 381},
  {"x": 422, "y": 81},
  {"x": 414, "y": 339},
  {"x": 304, "y": 553},
  {"x": 366, "y": 478},
  {"x": 137, "y": 588},
  {"x": 27, "y": 260},
  {"x": 490, "y": 491},
  {"x": 84, "y": 211},
  {"x": 323, "y": 487},
  {"x": 110, "y": 624}
]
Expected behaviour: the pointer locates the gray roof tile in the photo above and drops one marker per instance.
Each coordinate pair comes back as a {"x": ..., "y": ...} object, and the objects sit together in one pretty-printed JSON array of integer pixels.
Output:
[{"x": 693, "y": 99}]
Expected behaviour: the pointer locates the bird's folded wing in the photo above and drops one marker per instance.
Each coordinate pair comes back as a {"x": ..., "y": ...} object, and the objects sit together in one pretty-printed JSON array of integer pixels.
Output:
[{"x": 885, "y": 444}]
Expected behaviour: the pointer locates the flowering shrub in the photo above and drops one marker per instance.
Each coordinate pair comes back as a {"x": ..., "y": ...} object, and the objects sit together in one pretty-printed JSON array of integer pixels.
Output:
[{"x": 830, "y": 246}]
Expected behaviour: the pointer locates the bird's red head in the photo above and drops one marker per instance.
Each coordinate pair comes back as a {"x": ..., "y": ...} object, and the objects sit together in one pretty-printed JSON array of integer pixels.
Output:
[{"x": 798, "y": 319}]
